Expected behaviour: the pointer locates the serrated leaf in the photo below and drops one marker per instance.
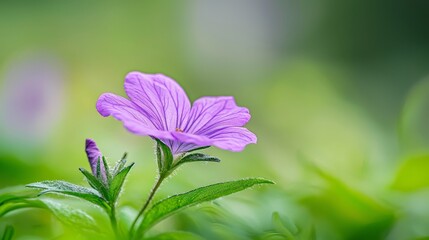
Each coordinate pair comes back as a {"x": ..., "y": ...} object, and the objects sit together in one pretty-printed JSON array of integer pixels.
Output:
[
  {"x": 164, "y": 155},
  {"x": 95, "y": 183},
  {"x": 197, "y": 157},
  {"x": 168, "y": 206},
  {"x": 71, "y": 189},
  {"x": 117, "y": 182},
  {"x": 73, "y": 217},
  {"x": 8, "y": 233}
]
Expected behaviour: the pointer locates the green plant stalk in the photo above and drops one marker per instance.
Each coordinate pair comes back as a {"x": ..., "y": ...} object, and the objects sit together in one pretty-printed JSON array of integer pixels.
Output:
[
  {"x": 162, "y": 176},
  {"x": 113, "y": 221},
  {"x": 146, "y": 204}
]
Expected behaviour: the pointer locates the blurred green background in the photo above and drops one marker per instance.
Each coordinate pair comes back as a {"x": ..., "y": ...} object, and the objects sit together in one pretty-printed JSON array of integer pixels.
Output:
[{"x": 338, "y": 92}]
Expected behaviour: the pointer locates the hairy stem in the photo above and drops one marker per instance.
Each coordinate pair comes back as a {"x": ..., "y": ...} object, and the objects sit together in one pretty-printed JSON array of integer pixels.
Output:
[
  {"x": 146, "y": 204},
  {"x": 113, "y": 221}
]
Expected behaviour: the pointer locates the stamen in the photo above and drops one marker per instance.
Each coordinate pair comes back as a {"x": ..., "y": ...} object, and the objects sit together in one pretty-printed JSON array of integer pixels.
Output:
[{"x": 179, "y": 130}]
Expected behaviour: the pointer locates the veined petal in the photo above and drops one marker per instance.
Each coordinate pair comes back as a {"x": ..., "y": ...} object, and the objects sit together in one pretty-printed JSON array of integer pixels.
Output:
[
  {"x": 228, "y": 138},
  {"x": 159, "y": 98},
  {"x": 233, "y": 138},
  {"x": 94, "y": 155},
  {"x": 208, "y": 114},
  {"x": 130, "y": 114},
  {"x": 187, "y": 141}
]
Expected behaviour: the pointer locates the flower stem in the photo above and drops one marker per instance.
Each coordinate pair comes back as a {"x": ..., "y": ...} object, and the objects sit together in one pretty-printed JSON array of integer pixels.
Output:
[
  {"x": 113, "y": 221},
  {"x": 146, "y": 204}
]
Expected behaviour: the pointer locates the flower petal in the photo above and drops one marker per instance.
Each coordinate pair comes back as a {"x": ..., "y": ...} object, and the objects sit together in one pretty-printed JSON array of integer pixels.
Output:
[
  {"x": 130, "y": 114},
  {"x": 187, "y": 141},
  {"x": 94, "y": 155},
  {"x": 233, "y": 138},
  {"x": 208, "y": 114},
  {"x": 159, "y": 98},
  {"x": 229, "y": 138}
]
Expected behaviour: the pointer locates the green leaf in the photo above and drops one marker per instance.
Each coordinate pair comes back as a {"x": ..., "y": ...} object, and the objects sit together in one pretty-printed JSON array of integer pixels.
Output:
[
  {"x": 95, "y": 183},
  {"x": 16, "y": 193},
  {"x": 71, "y": 189},
  {"x": 197, "y": 157},
  {"x": 289, "y": 231},
  {"x": 19, "y": 204},
  {"x": 168, "y": 206},
  {"x": 8, "y": 233},
  {"x": 117, "y": 182},
  {"x": 197, "y": 149},
  {"x": 164, "y": 155},
  {"x": 73, "y": 217},
  {"x": 371, "y": 218},
  {"x": 175, "y": 236},
  {"x": 412, "y": 174},
  {"x": 13, "y": 198}
]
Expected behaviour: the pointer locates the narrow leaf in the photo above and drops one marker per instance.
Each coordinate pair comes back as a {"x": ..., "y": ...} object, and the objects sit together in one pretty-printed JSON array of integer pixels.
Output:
[
  {"x": 197, "y": 157},
  {"x": 71, "y": 189},
  {"x": 117, "y": 182},
  {"x": 8, "y": 233},
  {"x": 95, "y": 183},
  {"x": 200, "y": 148},
  {"x": 168, "y": 206}
]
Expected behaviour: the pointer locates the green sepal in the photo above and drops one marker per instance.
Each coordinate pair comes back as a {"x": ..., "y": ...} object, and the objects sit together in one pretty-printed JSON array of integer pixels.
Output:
[
  {"x": 168, "y": 206},
  {"x": 70, "y": 189},
  {"x": 106, "y": 170},
  {"x": 95, "y": 183},
  {"x": 164, "y": 157},
  {"x": 117, "y": 182},
  {"x": 119, "y": 165},
  {"x": 98, "y": 169}
]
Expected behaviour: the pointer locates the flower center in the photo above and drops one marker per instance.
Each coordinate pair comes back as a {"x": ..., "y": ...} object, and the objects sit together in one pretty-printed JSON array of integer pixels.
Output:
[{"x": 179, "y": 130}]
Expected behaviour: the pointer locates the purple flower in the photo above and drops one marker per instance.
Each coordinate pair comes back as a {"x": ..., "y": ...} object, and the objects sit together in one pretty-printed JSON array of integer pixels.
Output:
[
  {"x": 94, "y": 156},
  {"x": 158, "y": 107}
]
